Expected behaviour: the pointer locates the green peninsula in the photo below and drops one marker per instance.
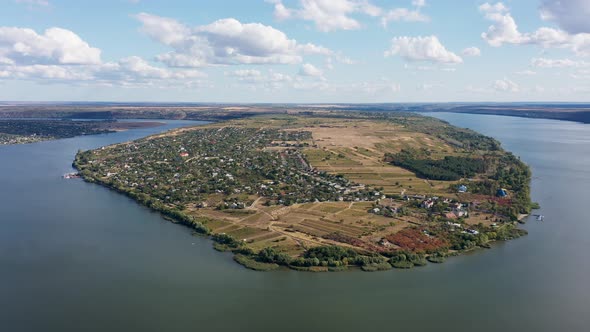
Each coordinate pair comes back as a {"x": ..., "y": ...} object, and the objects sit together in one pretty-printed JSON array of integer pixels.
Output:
[{"x": 325, "y": 190}]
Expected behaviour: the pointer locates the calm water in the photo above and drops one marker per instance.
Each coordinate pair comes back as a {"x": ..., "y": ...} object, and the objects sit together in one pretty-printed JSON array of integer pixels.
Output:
[{"x": 78, "y": 257}]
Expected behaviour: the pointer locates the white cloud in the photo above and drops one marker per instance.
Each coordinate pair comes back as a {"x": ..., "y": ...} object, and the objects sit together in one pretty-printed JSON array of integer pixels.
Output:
[
  {"x": 526, "y": 72},
  {"x": 471, "y": 51},
  {"x": 419, "y": 3},
  {"x": 60, "y": 55},
  {"x": 162, "y": 29},
  {"x": 331, "y": 15},
  {"x": 310, "y": 48},
  {"x": 54, "y": 46},
  {"x": 173, "y": 59},
  {"x": 48, "y": 72},
  {"x": 581, "y": 74},
  {"x": 403, "y": 15},
  {"x": 442, "y": 67},
  {"x": 225, "y": 41},
  {"x": 129, "y": 71},
  {"x": 270, "y": 80},
  {"x": 570, "y": 15},
  {"x": 307, "y": 69},
  {"x": 328, "y": 15},
  {"x": 378, "y": 87},
  {"x": 505, "y": 85},
  {"x": 246, "y": 73},
  {"x": 135, "y": 66},
  {"x": 504, "y": 30},
  {"x": 558, "y": 63},
  {"x": 136, "y": 71},
  {"x": 422, "y": 49}
]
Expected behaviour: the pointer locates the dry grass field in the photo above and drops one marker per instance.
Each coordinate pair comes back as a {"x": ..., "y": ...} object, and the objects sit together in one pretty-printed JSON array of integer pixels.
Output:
[{"x": 352, "y": 148}]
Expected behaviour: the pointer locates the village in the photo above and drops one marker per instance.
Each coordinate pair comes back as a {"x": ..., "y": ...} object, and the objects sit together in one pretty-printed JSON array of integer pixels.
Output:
[{"x": 237, "y": 164}]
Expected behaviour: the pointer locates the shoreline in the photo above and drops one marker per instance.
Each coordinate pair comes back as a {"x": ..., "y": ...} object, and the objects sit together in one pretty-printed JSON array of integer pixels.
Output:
[{"x": 100, "y": 127}]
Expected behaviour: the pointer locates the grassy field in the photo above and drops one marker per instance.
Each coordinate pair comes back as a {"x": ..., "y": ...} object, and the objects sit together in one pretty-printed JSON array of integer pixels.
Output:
[{"x": 352, "y": 148}]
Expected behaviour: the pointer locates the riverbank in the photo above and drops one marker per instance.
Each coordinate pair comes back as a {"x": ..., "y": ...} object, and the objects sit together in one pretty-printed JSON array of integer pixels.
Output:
[
  {"x": 25, "y": 131},
  {"x": 577, "y": 112}
]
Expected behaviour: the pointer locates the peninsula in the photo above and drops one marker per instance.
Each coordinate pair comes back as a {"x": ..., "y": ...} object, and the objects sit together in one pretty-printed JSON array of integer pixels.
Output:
[{"x": 325, "y": 190}]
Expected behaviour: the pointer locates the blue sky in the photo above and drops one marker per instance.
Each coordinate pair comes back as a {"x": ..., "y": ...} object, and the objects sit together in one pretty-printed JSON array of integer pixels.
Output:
[{"x": 295, "y": 50}]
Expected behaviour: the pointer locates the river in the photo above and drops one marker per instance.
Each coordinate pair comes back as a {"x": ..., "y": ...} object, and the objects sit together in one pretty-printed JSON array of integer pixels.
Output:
[{"x": 78, "y": 257}]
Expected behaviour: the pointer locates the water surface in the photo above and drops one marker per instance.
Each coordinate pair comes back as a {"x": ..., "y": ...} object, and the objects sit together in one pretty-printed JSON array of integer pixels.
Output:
[{"x": 79, "y": 257}]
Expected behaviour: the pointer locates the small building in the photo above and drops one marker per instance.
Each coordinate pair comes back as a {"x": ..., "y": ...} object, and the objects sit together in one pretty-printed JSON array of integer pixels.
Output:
[
  {"x": 502, "y": 192},
  {"x": 384, "y": 243},
  {"x": 456, "y": 206},
  {"x": 184, "y": 154},
  {"x": 462, "y": 188},
  {"x": 460, "y": 213},
  {"x": 428, "y": 204}
]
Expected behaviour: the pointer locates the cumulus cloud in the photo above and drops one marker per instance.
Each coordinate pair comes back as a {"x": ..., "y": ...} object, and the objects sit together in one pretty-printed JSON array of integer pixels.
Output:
[
  {"x": 54, "y": 46},
  {"x": 271, "y": 80},
  {"x": 471, "y": 51},
  {"x": 48, "y": 72},
  {"x": 225, "y": 41},
  {"x": 378, "y": 87},
  {"x": 165, "y": 30},
  {"x": 442, "y": 67},
  {"x": 331, "y": 15},
  {"x": 136, "y": 67},
  {"x": 504, "y": 30},
  {"x": 128, "y": 71},
  {"x": 327, "y": 15},
  {"x": 405, "y": 14},
  {"x": 505, "y": 85},
  {"x": 245, "y": 73},
  {"x": 60, "y": 55},
  {"x": 570, "y": 15},
  {"x": 307, "y": 69},
  {"x": 427, "y": 48}
]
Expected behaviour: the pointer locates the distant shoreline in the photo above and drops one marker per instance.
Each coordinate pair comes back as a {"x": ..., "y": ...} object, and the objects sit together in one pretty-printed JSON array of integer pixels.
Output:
[
  {"x": 577, "y": 112},
  {"x": 26, "y": 131},
  {"x": 574, "y": 116}
]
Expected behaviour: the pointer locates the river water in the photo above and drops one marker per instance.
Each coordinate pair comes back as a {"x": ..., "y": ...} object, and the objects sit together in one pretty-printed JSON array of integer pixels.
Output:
[{"x": 78, "y": 257}]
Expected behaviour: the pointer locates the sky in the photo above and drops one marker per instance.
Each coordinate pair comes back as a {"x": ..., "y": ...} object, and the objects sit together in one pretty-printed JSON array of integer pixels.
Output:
[{"x": 295, "y": 51}]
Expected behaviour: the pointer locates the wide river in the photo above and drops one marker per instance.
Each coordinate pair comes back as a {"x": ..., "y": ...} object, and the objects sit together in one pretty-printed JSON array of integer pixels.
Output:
[{"x": 78, "y": 257}]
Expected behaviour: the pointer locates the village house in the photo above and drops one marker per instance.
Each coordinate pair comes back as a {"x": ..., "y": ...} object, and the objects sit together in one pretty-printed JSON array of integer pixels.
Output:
[
  {"x": 385, "y": 243},
  {"x": 427, "y": 204}
]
